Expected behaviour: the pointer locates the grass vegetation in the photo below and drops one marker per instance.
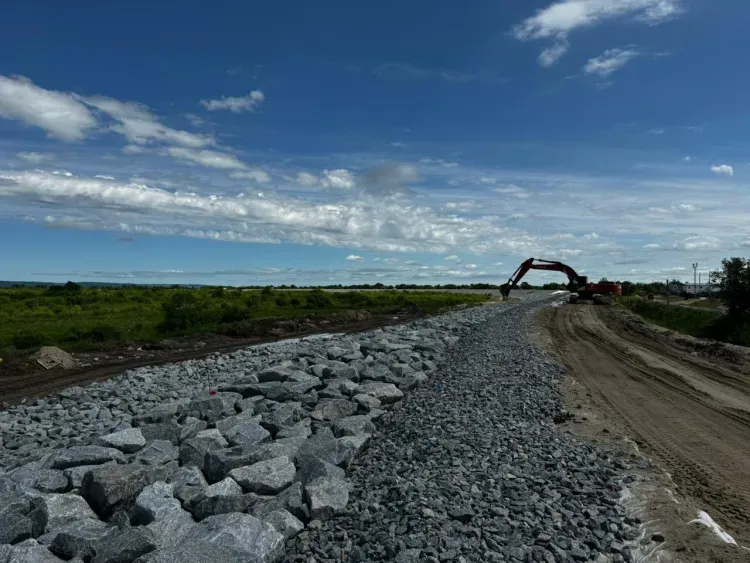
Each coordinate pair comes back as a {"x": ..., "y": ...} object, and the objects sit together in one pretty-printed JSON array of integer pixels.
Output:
[
  {"x": 77, "y": 318},
  {"x": 701, "y": 322}
]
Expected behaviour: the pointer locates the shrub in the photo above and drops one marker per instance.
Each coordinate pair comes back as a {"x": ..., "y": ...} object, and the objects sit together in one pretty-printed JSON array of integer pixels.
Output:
[
  {"x": 318, "y": 299},
  {"x": 28, "y": 340}
]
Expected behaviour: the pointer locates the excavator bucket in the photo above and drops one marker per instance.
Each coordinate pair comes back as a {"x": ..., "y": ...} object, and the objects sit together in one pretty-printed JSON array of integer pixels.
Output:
[{"x": 505, "y": 290}]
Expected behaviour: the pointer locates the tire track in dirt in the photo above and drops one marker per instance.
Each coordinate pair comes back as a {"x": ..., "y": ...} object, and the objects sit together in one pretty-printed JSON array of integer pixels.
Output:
[{"x": 700, "y": 439}]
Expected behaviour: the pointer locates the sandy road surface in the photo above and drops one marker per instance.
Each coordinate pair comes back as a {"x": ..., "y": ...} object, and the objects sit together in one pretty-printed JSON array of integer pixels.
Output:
[{"x": 691, "y": 414}]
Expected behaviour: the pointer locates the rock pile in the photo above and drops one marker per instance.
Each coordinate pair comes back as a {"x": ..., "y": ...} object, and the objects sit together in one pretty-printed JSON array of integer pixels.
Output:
[{"x": 222, "y": 459}]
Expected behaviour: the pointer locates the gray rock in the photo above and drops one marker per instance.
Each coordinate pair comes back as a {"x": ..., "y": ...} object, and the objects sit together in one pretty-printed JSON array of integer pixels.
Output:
[
  {"x": 193, "y": 450},
  {"x": 162, "y": 413},
  {"x": 321, "y": 445},
  {"x": 226, "y": 424},
  {"x": 376, "y": 372},
  {"x": 353, "y": 426},
  {"x": 283, "y": 416},
  {"x": 55, "y": 510},
  {"x": 191, "y": 426},
  {"x": 15, "y": 527},
  {"x": 74, "y": 475},
  {"x": 155, "y": 502},
  {"x": 44, "y": 480},
  {"x": 158, "y": 452},
  {"x": 225, "y": 487},
  {"x": 86, "y": 455},
  {"x": 343, "y": 386},
  {"x": 300, "y": 429},
  {"x": 291, "y": 499},
  {"x": 273, "y": 391},
  {"x": 326, "y": 488},
  {"x": 110, "y": 488},
  {"x": 284, "y": 523},
  {"x": 124, "y": 546},
  {"x": 195, "y": 551},
  {"x": 127, "y": 441},
  {"x": 169, "y": 430},
  {"x": 218, "y": 463},
  {"x": 366, "y": 402},
  {"x": 265, "y": 477},
  {"x": 401, "y": 370},
  {"x": 78, "y": 539},
  {"x": 205, "y": 507},
  {"x": 247, "y": 434},
  {"x": 187, "y": 477},
  {"x": 408, "y": 556},
  {"x": 258, "y": 540},
  {"x": 209, "y": 409},
  {"x": 334, "y": 409},
  {"x": 29, "y": 551},
  {"x": 352, "y": 446},
  {"x": 342, "y": 371},
  {"x": 274, "y": 373},
  {"x": 336, "y": 352},
  {"x": 386, "y": 393}
]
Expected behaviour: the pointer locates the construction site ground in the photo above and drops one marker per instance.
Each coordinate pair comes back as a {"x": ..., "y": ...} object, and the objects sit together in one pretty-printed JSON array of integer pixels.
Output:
[{"x": 682, "y": 403}]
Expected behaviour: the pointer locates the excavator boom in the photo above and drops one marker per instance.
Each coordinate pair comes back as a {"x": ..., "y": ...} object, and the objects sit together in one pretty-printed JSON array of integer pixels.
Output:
[{"x": 576, "y": 283}]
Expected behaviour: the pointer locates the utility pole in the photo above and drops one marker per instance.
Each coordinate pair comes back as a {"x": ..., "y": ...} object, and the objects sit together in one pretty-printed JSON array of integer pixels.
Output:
[
  {"x": 700, "y": 285},
  {"x": 695, "y": 278}
]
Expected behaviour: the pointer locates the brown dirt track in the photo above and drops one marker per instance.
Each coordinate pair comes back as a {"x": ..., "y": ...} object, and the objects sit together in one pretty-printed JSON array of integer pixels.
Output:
[{"x": 690, "y": 412}]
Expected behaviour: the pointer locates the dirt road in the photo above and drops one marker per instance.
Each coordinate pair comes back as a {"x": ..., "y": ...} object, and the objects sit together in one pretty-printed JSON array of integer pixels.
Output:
[{"x": 690, "y": 413}]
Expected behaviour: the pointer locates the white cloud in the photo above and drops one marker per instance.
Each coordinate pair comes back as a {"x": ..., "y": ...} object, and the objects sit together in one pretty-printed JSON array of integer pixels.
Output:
[
  {"x": 207, "y": 158},
  {"x": 236, "y": 104},
  {"x": 652, "y": 246},
  {"x": 398, "y": 144},
  {"x": 497, "y": 263},
  {"x": 560, "y": 18},
  {"x": 591, "y": 236},
  {"x": 698, "y": 243},
  {"x": 656, "y": 131},
  {"x": 686, "y": 159},
  {"x": 609, "y": 61},
  {"x": 61, "y": 114},
  {"x": 134, "y": 149},
  {"x": 35, "y": 157},
  {"x": 260, "y": 176},
  {"x": 487, "y": 180},
  {"x": 452, "y": 258},
  {"x": 339, "y": 178},
  {"x": 354, "y": 258},
  {"x": 462, "y": 205},
  {"x": 307, "y": 179},
  {"x": 195, "y": 120},
  {"x": 551, "y": 55},
  {"x": 513, "y": 191},
  {"x": 723, "y": 169},
  {"x": 390, "y": 178},
  {"x": 470, "y": 266},
  {"x": 139, "y": 126}
]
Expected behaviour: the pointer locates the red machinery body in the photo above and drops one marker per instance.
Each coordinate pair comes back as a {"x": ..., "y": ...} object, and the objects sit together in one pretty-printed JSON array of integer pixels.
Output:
[{"x": 576, "y": 284}]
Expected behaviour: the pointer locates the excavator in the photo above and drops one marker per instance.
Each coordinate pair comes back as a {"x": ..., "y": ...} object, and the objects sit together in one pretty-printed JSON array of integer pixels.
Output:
[{"x": 579, "y": 286}]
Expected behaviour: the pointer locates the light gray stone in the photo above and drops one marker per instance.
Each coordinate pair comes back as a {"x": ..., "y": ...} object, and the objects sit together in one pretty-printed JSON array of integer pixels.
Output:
[
  {"x": 366, "y": 402},
  {"x": 242, "y": 532},
  {"x": 158, "y": 452},
  {"x": 353, "y": 426},
  {"x": 55, "y": 510},
  {"x": 86, "y": 455},
  {"x": 110, "y": 488},
  {"x": 265, "y": 477},
  {"x": 78, "y": 539},
  {"x": 247, "y": 434},
  {"x": 75, "y": 474},
  {"x": 386, "y": 393},
  {"x": 326, "y": 488},
  {"x": 284, "y": 523},
  {"x": 124, "y": 546},
  {"x": 127, "y": 441},
  {"x": 302, "y": 428},
  {"x": 334, "y": 409},
  {"x": 30, "y": 551},
  {"x": 194, "y": 551}
]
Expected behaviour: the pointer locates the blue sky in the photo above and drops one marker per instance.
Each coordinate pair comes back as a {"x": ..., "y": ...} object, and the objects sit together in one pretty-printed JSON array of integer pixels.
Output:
[{"x": 349, "y": 142}]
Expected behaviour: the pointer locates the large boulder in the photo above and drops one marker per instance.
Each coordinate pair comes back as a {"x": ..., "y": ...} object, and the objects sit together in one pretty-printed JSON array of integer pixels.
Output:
[
  {"x": 127, "y": 441},
  {"x": 126, "y": 545},
  {"x": 274, "y": 373},
  {"x": 110, "y": 488},
  {"x": 291, "y": 499},
  {"x": 247, "y": 434},
  {"x": 284, "y": 522},
  {"x": 195, "y": 551},
  {"x": 366, "y": 402},
  {"x": 265, "y": 477},
  {"x": 300, "y": 429},
  {"x": 353, "y": 426},
  {"x": 15, "y": 526},
  {"x": 321, "y": 445},
  {"x": 386, "y": 393},
  {"x": 75, "y": 475},
  {"x": 326, "y": 488},
  {"x": 193, "y": 450},
  {"x": 44, "y": 480},
  {"x": 168, "y": 430},
  {"x": 86, "y": 455},
  {"x": 258, "y": 540},
  {"x": 209, "y": 409},
  {"x": 334, "y": 409},
  {"x": 78, "y": 539},
  {"x": 30, "y": 551},
  {"x": 376, "y": 372},
  {"x": 158, "y": 414},
  {"x": 158, "y": 452},
  {"x": 51, "y": 511},
  {"x": 283, "y": 416}
]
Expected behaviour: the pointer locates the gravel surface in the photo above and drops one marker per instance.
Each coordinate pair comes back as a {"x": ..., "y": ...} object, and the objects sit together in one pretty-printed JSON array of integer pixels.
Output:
[{"x": 432, "y": 441}]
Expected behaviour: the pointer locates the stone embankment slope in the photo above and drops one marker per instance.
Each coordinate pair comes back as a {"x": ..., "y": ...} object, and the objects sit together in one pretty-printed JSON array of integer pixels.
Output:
[{"x": 433, "y": 441}]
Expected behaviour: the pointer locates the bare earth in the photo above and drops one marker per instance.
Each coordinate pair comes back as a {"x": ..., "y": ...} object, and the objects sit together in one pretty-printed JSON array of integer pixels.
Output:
[{"x": 683, "y": 402}]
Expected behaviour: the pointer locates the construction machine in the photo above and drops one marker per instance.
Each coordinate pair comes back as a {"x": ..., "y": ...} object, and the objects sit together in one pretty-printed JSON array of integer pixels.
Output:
[{"x": 579, "y": 286}]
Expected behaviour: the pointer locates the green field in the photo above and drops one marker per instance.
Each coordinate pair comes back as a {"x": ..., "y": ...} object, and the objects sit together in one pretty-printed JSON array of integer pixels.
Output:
[
  {"x": 699, "y": 321},
  {"x": 77, "y": 318}
]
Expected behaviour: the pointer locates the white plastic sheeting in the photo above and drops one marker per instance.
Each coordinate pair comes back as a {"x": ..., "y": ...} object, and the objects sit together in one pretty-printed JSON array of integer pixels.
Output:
[{"x": 706, "y": 520}]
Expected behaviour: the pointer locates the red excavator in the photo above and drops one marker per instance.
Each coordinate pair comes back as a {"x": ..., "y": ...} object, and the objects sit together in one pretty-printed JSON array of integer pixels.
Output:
[{"x": 578, "y": 285}]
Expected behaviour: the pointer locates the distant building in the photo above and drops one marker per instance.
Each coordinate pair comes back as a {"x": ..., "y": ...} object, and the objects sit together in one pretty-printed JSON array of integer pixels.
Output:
[{"x": 696, "y": 289}]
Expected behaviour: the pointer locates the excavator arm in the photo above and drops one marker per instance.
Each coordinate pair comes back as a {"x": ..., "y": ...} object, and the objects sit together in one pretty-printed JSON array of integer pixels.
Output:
[{"x": 534, "y": 264}]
